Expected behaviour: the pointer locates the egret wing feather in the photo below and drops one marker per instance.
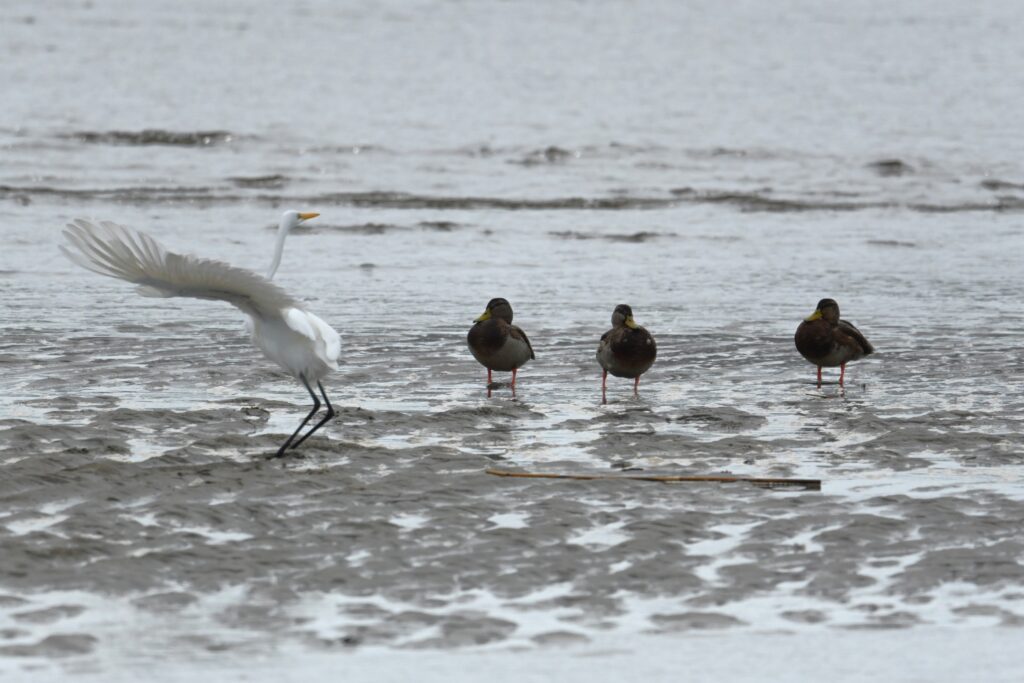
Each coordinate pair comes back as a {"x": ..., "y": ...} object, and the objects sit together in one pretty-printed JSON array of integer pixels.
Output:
[
  {"x": 331, "y": 339},
  {"x": 116, "y": 251},
  {"x": 298, "y": 320},
  {"x": 327, "y": 342}
]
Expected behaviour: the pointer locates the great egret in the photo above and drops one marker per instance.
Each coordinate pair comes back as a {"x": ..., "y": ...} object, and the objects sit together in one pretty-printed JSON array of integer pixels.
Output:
[
  {"x": 496, "y": 343},
  {"x": 280, "y": 325},
  {"x": 825, "y": 340},
  {"x": 626, "y": 350}
]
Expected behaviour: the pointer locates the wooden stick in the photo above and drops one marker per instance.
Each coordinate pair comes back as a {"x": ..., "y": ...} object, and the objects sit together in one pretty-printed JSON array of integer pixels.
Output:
[{"x": 765, "y": 483}]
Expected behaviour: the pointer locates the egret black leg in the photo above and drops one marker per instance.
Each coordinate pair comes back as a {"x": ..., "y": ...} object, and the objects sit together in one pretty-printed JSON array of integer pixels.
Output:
[
  {"x": 328, "y": 416},
  {"x": 316, "y": 407}
]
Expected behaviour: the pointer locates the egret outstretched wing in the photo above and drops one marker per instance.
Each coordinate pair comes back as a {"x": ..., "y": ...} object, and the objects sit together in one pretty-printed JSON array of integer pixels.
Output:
[{"x": 117, "y": 251}]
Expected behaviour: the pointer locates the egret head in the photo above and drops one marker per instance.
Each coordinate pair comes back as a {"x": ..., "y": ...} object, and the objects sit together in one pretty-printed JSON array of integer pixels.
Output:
[
  {"x": 623, "y": 315},
  {"x": 289, "y": 219}
]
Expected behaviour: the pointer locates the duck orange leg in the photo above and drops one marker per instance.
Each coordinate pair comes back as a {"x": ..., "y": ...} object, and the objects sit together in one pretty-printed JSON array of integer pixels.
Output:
[
  {"x": 819, "y": 376},
  {"x": 842, "y": 372},
  {"x": 636, "y": 386}
]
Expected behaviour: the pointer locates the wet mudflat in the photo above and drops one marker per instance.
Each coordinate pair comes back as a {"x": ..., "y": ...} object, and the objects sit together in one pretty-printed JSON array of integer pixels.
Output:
[{"x": 140, "y": 523}]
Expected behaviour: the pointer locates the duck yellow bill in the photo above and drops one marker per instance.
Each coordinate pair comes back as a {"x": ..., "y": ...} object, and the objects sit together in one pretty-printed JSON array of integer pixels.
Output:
[
  {"x": 631, "y": 324},
  {"x": 486, "y": 315},
  {"x": 308, "y": 215},
  {"x": 813, "y": 316}
]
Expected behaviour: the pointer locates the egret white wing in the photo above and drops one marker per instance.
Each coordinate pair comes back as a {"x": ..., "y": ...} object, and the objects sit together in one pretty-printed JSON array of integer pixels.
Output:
[
  {"x": 331, "y": 340},
  {"x": 327, "y": 341},
  {"x": 117, "y": 251}
]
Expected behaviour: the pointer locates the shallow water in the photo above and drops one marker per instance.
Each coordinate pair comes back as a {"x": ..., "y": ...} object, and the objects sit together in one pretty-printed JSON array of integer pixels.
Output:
[{"x": 720, "y": 168}]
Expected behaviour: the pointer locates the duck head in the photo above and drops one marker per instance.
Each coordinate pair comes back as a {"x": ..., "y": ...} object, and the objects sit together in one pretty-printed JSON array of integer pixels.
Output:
[
  {"x": 496, "y": 308},
  {"x": 827, "y": 309},
  {"x": 623, "y": 315}
]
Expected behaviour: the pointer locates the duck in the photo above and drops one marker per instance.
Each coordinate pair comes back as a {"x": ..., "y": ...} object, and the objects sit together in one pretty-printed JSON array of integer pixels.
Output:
[
  {"x": 827, "y": 341},
  {"x": 496, "y": 343},
  {"x": 626, "y": 350}
]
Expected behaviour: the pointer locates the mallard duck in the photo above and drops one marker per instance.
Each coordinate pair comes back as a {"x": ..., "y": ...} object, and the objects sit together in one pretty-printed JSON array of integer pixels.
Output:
[
  {"x": 626, "y": 350},
  {"x": 825, "y": 340},
  {"x": 496, "y": 343}
]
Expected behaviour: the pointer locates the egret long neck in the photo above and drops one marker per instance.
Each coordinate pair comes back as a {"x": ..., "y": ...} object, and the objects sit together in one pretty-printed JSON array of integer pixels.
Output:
[{"x": 282, "y": 233}]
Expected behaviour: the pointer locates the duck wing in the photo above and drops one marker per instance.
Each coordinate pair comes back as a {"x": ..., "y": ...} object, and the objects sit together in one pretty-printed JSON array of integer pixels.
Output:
[
  {"x": 850, "y": 330},
  {"x": 517, "y": 333}
]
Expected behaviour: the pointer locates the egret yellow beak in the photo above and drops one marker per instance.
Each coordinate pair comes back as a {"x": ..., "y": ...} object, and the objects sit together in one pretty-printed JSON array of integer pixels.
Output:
[
  {"x": 486, "y": 315},
  {"x": 308, "y": 216},
  {"x": 631, "y": 324},
  {"x": 813, "y": 316}
]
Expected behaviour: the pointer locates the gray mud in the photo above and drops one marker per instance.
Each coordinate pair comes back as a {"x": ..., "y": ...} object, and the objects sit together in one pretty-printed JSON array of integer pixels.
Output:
[{"x": 386, "y": 531}]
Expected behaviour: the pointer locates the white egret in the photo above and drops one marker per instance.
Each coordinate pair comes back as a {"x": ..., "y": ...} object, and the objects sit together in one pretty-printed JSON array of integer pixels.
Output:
[{"x": 280, "y": 325}]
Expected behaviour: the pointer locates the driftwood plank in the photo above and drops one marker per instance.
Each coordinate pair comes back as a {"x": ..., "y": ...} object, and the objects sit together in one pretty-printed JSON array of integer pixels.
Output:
[{"x": 762, "y": 482}]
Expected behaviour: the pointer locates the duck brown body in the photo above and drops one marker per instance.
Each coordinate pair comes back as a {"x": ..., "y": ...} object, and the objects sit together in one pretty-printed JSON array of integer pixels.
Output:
[
  {"x": 499, "y": 345},
  {"x": 626, "y": 352},
  {"x": 830, "y": 345}
]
